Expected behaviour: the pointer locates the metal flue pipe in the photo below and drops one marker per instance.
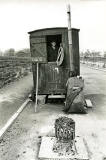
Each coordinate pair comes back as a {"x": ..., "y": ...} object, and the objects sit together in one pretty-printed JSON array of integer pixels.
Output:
[{"x": 70, "y": 38}]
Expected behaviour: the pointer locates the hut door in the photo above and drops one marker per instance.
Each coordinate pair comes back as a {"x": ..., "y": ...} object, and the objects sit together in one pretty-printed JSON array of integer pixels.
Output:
[
  {"x": 54, "y": 79},
  {"x": 38, "y": 50},
  {"x": 38, "y": 47}
]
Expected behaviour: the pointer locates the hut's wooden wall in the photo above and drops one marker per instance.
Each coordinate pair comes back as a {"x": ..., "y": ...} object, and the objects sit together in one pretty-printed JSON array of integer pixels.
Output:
[{"x": 75, "y": 48}]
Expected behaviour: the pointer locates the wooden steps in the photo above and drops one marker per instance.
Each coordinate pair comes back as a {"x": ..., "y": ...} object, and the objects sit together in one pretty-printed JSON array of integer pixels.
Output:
[
  {"x": 56, "y": 96},
  {"x": 89, "y": 103}
]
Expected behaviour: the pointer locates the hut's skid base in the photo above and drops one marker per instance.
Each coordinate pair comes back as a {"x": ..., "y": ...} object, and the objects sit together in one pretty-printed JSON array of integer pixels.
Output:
[{"x": 46, "y": 150}]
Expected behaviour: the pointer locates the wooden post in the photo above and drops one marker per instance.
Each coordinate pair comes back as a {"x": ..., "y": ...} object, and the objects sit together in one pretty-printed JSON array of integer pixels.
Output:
[
  {"x": 70, "y": 39},
  {"x": 37, "y": 76}
]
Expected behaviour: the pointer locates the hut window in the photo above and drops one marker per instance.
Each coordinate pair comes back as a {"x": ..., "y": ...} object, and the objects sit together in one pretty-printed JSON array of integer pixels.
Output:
[{"x": 53, "y": 43}]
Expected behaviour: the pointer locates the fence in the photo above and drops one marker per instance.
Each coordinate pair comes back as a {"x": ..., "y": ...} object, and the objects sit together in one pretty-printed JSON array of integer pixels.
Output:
[
  {"x": 99, "y": 62},
  {"x": 12, "y": 68}
]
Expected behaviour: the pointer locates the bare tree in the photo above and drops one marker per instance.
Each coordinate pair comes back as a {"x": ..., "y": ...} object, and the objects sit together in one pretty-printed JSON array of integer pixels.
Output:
[
  {"x": 23, "y": 53},
  {"x": 10, "y": 52},
  {"x": 105, "y": 54},
  {"x": 1, "y": 53}
]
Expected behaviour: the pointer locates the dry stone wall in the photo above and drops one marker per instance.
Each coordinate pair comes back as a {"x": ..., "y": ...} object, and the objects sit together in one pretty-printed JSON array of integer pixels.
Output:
[{"x": 13, "y": 68}]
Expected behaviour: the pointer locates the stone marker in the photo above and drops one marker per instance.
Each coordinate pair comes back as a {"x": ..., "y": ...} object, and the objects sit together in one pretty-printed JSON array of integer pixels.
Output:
[{"x": 64, "y": 145}]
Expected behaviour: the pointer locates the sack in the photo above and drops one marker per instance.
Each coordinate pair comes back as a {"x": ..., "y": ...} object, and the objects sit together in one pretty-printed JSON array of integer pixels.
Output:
[
  {"x": 75, "y": 102},
  {"x": 77, "y": 108}
]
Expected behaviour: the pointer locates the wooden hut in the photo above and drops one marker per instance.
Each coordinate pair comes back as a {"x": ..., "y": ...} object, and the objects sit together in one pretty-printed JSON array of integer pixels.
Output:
[{"x": 53, "y": 78}]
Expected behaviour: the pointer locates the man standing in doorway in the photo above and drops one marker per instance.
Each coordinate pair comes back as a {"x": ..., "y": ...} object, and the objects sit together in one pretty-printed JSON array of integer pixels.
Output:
[{"x": 52, "y": 52}]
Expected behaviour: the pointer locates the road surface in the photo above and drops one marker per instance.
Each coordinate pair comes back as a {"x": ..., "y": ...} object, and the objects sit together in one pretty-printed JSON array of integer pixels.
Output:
[
  {"x": 12, "y": 96},
  {"x": 22, "y": 141}
]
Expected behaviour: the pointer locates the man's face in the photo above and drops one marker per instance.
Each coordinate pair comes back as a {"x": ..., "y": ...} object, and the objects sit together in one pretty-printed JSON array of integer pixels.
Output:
[{"x": 53, "y": 44}]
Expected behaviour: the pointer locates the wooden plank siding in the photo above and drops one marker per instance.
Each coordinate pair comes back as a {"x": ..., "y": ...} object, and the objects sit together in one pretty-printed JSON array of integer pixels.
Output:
[
  {"x": 75, "y": 48},
  {"x": 52, "y": 79}
]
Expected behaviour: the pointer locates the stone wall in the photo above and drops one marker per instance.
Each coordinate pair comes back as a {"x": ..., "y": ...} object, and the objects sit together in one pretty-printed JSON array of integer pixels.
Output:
[{"x": 13, "y": 68}]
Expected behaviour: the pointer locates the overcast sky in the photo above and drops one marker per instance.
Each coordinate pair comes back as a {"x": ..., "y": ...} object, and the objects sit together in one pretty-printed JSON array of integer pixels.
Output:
[{"x": 17, "y": 17}]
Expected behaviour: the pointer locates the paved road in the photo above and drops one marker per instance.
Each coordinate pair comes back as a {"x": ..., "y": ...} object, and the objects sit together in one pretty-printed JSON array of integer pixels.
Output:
[
  {"x": 95, "y": 80},
  {"x": 12, "y": 96},
  {"x": 95, "y": 89},
  {"x": 22, "y": 141}
]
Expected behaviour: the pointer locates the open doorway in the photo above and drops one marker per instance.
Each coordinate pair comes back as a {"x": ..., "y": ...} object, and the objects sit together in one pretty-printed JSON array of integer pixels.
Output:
[{"x": 53, "y": 43}]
